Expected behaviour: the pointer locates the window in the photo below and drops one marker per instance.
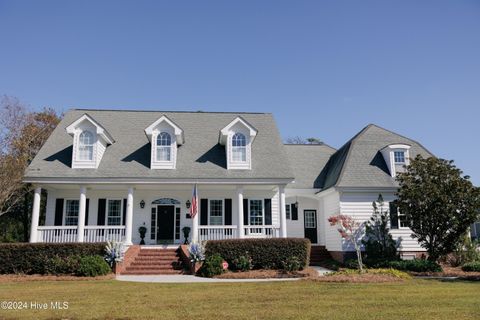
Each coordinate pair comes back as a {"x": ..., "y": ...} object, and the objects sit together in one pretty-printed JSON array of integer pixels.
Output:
[
  {"x": 239, "y": 148},
  {"x": 399, "y": 156},
  {"x": 397, "y": 219},
  {"x": 216, "y": 212},
  {"x": 164, "y": 147},
  {"x": 85, "y": 146},
  {"x": 287, "y": 211},
  {"x": 310, "y": 219},
  {"x": 71, "y": 212},
  {"x": 256, "y": 212},
  {"x": 114, "y": 213}
]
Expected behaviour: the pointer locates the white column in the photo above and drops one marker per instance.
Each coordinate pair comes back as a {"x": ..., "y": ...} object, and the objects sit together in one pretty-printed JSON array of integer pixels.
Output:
[
  {"x": 35, "y": 214},
  {"x": 241, "y": 231},
  {"x": 195, "y": 227},
  {"x": 129, "y": 218},
  {"x": 283, "y": 214},
  {"x": 81, "y": 214}
]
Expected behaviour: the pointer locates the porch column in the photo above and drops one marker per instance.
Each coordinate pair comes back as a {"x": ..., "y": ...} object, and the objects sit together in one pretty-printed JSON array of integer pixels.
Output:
[
  {"x": 35, "y": 214},
  {"x": 283, "y": 214},
  {"x": 129, "y": 218},
  {"x": 81, "y": 214},
  {"x": 241, "y": 231}
]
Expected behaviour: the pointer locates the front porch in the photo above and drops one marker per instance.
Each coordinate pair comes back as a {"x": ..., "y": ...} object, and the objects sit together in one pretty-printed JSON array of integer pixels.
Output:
[{"x": 100, "y": 213}]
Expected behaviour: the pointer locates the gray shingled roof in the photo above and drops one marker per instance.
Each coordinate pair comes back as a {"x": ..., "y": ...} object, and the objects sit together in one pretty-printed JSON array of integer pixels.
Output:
[
  {"x": 200, "y": 157},
  {"x": 308, "y": 161},
  {"x": 359, "y": 162}
]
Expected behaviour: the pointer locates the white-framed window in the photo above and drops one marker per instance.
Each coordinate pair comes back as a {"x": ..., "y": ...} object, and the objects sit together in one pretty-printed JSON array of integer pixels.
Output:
[
  {"x": 86, "y": 141},
  {"x": 239, "y": 147},
  {"x": 399, "y": 157},
  {"x": 288, "y": 212},
  {"x": 402, "y": 220},
  {"x": 114, "y": 212},
  {"x": 398, "y": 220},
  {"x": 71, "y": 212},
  {"x": 164, "y": 147},
  {"x": 310, "y": 221},
  {"x": 255, "y": 211},
  {"x": 215, "y": 212}
]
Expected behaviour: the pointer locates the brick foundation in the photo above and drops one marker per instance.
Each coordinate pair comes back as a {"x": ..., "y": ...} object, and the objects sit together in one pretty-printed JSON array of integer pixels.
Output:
[{"x": 128, "y": 258}]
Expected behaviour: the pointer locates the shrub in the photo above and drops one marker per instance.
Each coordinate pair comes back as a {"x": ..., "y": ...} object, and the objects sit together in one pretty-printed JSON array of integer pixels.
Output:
[
  {"x": 351, "y": 264},
  {"x": 212, "y": 266},
  {"x": 242, "y": 263},
  {"x": 57, "y": 265},
  {"x": 265, "y": 253},
  {"x": 415, "y": 265},
  {"x": 92, "y": 266},
  {"x": 471, "y": 266},
  {"x": 291, "y": 264},
  {"x": 41, "y": 258}
]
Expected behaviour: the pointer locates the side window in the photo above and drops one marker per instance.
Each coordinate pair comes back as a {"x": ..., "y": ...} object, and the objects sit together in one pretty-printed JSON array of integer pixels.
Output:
[
  {"x": 71, "y": 212},
  {"x": 287, "y": 211},
  {"x": 216, "y": 212},
  {"x": 114, "y": 212}
]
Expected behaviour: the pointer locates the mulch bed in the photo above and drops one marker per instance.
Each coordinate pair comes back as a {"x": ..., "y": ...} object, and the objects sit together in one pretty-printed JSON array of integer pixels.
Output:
[
  {"x": 451, "y": 272},
  {"x": 268, "y": 274},
  {"x": 39, "y": 277}
]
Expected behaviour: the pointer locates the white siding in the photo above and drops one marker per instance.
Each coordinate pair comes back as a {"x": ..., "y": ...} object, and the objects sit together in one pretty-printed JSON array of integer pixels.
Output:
[
  {"x": 295, "y": 228},
  {"x": 331, "y": 207}
]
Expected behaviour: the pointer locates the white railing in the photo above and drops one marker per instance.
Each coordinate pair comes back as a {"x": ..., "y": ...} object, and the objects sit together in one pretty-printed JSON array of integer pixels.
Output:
[
  {"x": 62, "y": 234},
  {"x": 217, "y": 232},
  {"x": 262, "y": 231},
  {"x": 104, "y": 233},
  {"x": 57, "y": 234}
]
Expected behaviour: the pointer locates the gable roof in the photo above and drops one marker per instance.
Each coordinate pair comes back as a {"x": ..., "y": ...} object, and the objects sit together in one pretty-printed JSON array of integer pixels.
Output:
[
  {"x": 200, "y": 157},
  {"x": 359, "y": 163},
  {"x": 308, "y": 161}
]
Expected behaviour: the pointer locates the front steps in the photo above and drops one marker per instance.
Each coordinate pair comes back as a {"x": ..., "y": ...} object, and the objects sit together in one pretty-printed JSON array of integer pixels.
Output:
[
  {"x": 154, "y": 262},
  {"x": 319, "y": 254}
]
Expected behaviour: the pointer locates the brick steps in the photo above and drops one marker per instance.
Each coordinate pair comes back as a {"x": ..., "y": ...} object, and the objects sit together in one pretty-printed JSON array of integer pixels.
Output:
[
  {"x": 319, "y": 254},
  {"x": 155, "y": 261}
]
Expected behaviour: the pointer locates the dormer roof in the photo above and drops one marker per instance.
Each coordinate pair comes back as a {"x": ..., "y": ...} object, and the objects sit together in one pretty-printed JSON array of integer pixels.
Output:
[
  {"x": 101, "y": 131},
  {"x": 177, "y": 130},
  {"x": 223, "y": 136}
]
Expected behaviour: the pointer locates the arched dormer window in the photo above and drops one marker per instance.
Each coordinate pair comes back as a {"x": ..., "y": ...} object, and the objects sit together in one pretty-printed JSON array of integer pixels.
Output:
[
  {"x": 164, "y": 147},
  {"x": 239, "y": 147},
  {"x": 86, "y": 143}
]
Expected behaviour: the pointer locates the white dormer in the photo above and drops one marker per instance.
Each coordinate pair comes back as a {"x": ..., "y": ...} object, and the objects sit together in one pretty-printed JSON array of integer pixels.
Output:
[
  {"x": 90, "y": 141},
  {"x": 238, "y": 137},
  {"x": 397, "y": 156},
  {"x": 164, "y": 136}
]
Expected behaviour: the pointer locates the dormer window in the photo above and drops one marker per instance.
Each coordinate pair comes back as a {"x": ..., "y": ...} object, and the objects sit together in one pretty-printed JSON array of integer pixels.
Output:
[
  {"x": 165, "y": 137},
  {"x": 86, "y": 143},
  {"x": 90, "y": 141},
  {"x": 164, "y": 147},
  {"x": 239, "y": 147},
  {"x": 397, "y": 157},
  {"x": 237, "y": 137}
]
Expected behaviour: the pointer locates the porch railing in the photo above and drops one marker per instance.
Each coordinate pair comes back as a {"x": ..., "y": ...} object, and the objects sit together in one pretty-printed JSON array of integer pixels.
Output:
[
  {"x": 262, "y": 231},
  {"x": 217, "y": 232},
  {"x": 62, "y": 234}
]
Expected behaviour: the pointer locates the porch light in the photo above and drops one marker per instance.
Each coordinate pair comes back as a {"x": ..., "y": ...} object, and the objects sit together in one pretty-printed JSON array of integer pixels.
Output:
[
  {"x": 188, "y": 204},
  {"x": 296, "y": 203},
  {"x": 142, "y": 204}
]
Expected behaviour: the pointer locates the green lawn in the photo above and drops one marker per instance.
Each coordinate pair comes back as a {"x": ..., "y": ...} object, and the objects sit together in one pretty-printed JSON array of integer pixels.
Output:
[{"x": 416, "y": 299}]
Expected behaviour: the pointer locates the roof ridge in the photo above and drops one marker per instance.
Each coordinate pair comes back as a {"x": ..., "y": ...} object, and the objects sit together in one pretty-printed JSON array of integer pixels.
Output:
[{"x": 168, "y": 111}]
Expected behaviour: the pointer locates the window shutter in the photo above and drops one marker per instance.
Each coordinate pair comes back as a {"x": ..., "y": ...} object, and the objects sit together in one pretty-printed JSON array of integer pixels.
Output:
[
  {"x": 102, "y": 205},
  {"x": 393, "y": 215},
  {"x": 203, "y": 212},
  {"x": 86, "y": 211},
  {"x": 294, "y": 212},
  {"x": 58, "y": 212},
  {"x": 245, "y": 212},
  {"x": 268, "y": 212},
  {"x": 124, "y": 210},
  {"x": 228, "y": 212}
]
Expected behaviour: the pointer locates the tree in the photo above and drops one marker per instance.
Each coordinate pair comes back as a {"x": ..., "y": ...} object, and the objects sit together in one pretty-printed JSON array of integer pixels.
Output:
[
  {"x": 378, "y": 243},
  {"x": 300, "y": 140},
  {"x": 438, "y": 202},
  {"x": 352, "y": 231}
]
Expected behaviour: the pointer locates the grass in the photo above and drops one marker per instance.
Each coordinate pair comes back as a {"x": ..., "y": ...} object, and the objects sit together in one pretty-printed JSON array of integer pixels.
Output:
[{"x": 109, "y": 299}]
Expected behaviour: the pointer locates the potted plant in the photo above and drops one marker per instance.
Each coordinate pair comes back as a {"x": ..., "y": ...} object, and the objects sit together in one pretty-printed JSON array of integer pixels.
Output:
[
  {"x": 197, "y": 255},
  {"x": 186, "y": 234},
  {"x": 142, "y": 230}
]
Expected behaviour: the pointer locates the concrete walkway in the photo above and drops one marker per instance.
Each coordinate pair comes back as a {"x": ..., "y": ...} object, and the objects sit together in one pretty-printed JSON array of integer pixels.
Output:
[{"x": 321, "y": 271}]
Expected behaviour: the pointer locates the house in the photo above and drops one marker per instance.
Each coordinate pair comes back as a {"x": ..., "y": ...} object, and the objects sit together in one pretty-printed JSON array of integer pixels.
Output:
[{"x": 106, "y": 173}]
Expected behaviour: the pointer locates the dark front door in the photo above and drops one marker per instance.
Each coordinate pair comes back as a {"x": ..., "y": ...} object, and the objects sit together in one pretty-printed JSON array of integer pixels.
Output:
[
  {"x": 165, "y": 223},
  {"x": 310, "y": 223}
]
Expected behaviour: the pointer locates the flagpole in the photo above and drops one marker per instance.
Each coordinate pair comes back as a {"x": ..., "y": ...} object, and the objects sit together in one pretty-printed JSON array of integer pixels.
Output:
[{"x": 195, "y": 218}]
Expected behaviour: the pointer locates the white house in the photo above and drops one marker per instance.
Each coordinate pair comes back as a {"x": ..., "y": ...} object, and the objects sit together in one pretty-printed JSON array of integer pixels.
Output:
[{"x": 108, "y": 172}]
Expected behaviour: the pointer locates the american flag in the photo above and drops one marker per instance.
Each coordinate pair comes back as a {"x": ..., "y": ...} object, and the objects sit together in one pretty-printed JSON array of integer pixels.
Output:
[{"x": 194, "y": 205}]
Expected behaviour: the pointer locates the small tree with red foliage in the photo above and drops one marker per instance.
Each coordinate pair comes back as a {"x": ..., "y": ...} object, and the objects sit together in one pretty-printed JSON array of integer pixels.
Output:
[{"x": 352, "y": 231}]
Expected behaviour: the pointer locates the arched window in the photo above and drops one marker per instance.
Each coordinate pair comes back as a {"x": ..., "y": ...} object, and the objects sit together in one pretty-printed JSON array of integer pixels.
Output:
[
  {"x": 164, "y": 147},
  {"x": 85, "y": 146},
  {"x": 239, "y": 148}
]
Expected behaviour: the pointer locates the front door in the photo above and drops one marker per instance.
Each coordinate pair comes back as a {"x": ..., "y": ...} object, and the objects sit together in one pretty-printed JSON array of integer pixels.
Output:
[
  {"x": 165, "y": 224},
  {"x": 310, "y": 223}
]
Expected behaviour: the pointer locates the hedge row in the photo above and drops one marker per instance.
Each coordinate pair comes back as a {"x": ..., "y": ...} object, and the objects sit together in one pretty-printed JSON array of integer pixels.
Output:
[
  {"x": 415, "y": 265},
  {"x": 264, "y": 253},
  {"x": 37, "y": 258}
]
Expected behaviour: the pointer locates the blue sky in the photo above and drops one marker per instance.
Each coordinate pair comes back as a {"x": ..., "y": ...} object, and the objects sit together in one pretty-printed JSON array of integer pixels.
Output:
[{"x": 324, "y": 68}]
